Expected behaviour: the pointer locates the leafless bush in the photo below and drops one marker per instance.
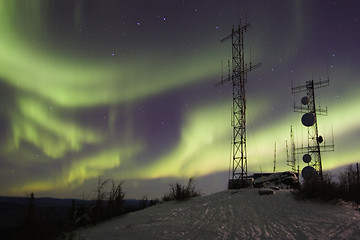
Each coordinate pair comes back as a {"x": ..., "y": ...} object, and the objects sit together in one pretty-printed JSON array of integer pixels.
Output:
[
  {"x": 181, "y": 193},
  {"x": 347, "y": 187},
  {"x": 323, "y": 189},
  {"x": 349, "y": 184}
]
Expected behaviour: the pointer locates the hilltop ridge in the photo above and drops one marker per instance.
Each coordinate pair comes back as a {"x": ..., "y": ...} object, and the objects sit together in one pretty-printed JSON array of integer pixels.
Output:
[{"x": 234, "y": 214}]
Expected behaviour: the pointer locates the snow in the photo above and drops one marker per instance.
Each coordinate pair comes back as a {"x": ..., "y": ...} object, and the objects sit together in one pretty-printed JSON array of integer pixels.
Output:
[{"x": 234, "y": 214}]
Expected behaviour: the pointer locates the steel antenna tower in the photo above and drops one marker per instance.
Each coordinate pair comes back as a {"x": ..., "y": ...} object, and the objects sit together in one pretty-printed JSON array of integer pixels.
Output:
[
  {"x": 291, "y": 162},
  {"x": 274, "y": 170},
  {"x": 238, "y": 78},
  {"x": 312, "y": 153}
]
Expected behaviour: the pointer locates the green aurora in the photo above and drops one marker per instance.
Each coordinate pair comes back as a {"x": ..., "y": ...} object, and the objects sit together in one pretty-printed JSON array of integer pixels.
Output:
[{"x": 68, "y": 117}]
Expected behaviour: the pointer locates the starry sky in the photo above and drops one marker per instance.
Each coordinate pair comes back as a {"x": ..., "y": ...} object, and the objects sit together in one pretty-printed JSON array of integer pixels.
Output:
[{"x": 125, "y": 90}]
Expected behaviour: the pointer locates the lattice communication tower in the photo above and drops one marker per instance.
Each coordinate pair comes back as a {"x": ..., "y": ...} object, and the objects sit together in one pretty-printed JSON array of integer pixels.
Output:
[
  {"x": 316, "y": 143},
  {"x": 291, "y": 160},
  {"x": 238, "y": 78}
]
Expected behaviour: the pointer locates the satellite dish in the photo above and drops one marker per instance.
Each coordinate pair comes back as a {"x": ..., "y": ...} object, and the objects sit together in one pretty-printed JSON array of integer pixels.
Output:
[
  {"x": 305, "y": 100},
  {"x": 307, "y": 158},
  {"x": 320, "y": 139},
  {"x": 308, "y": 173},
  {"x": 308, "y": 119}
]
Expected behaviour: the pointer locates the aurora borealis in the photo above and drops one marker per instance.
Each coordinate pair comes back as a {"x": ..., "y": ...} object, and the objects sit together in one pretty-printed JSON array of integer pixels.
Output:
[{"x": 125, "y": 90}]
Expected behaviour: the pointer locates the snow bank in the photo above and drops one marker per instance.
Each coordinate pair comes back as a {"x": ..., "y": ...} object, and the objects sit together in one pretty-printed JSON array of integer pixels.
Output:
[{"x": 236, "y": 214}]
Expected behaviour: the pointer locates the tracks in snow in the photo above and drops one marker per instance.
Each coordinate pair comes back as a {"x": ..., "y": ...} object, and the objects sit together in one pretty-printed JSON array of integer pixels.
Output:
[{"x": 242, "y": 214}]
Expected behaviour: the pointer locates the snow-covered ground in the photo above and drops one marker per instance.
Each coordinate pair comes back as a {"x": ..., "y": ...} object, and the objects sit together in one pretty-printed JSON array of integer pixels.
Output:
[{"x": 235, "y": 214}]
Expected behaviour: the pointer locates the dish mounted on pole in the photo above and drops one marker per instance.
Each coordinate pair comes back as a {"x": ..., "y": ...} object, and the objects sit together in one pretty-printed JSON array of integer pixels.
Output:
[{"x": 238, "y": 78}]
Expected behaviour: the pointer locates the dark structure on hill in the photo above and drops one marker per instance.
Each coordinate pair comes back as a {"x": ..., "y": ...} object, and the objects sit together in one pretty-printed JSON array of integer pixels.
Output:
[
  {"x": 315, "y": 142},
  {"x": 238, "y": 77}
]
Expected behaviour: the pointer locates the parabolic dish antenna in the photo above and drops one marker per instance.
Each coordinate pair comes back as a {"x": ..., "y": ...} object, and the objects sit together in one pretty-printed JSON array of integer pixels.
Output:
[
  {"x": 308, "y": 119},
  {"x": 305, "y": 100},
  {"x": 307, "y": 158},
  {"x": 308, "y": 173}
]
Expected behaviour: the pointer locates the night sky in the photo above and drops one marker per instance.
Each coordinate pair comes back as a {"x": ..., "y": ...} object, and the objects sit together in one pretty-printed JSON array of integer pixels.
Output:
[{"x": 125, "y": 90}]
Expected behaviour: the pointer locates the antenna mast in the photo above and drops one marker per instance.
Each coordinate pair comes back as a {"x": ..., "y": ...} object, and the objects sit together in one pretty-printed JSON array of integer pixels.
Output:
[
  {"x": 291, "y": 162},
  {"x": 274, "y": 170},
  {"x": 312, "y": 153},
  {"x": 238, "y": 79}
]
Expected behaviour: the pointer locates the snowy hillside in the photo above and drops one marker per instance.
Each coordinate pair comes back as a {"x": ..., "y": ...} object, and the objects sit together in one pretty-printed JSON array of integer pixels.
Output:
[{"x": 241, "y": 214}]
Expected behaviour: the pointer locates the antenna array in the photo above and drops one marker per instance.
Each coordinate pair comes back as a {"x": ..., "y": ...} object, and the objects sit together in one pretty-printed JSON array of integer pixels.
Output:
[{"x": 316, "y": 144}]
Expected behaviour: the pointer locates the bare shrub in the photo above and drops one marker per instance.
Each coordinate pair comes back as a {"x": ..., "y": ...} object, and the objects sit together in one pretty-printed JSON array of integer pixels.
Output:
[
  {"x": 180, "y": 193},
  {"x": 349, "y": 184},
  {"x": 115, "y": 204},
  {"x": 347, "y": 188}
]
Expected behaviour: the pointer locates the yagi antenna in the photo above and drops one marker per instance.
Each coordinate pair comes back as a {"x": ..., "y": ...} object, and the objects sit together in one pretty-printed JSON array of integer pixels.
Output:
[
  {"x": 327, "y": 68},
  {"x": 229, "y": 69},
  {"x": 222, "y": 70},
  {"x": 250, "y": 54}
]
